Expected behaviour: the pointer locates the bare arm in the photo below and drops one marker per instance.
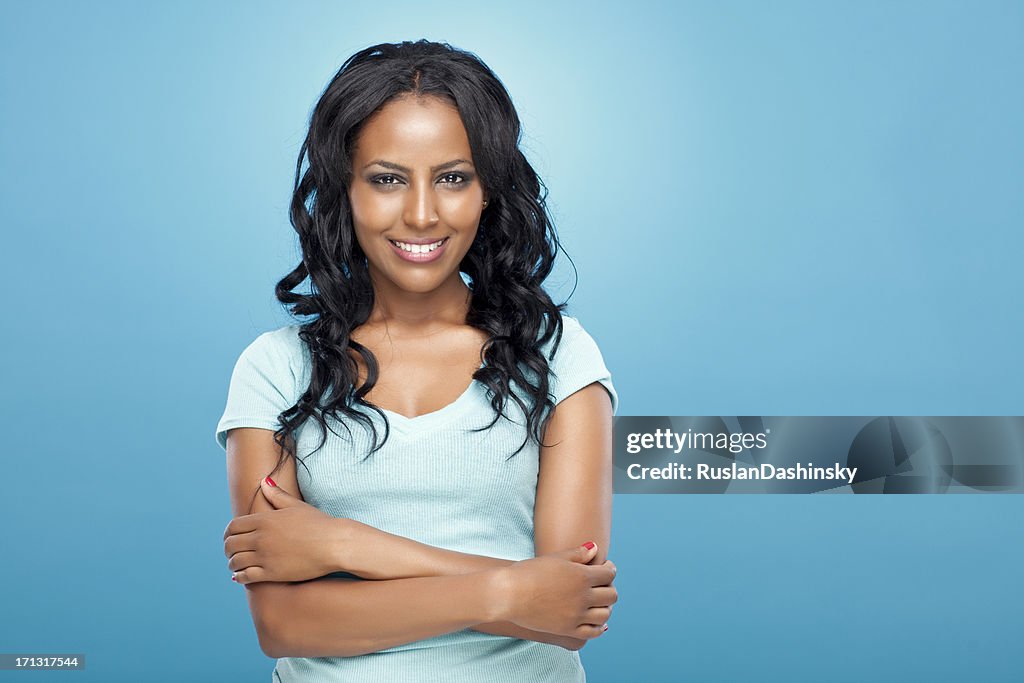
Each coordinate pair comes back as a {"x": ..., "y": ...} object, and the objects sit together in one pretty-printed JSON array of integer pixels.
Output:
[
  {"x": 574, "y": 486},
  {"x": 345, "y": 617},
  {"x": 371, "y": 553},
  {"x": 574, "y": 497},
  {"x": 573, "y": 505},
  {"x": 331, "y": 617}
]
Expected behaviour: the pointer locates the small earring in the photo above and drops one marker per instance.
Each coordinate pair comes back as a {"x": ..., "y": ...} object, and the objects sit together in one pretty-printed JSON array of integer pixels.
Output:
[{"x": 485, "y": 203}]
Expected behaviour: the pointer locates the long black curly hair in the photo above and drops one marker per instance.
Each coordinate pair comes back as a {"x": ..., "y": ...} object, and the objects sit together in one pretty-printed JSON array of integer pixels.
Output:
[{"x": 513, "y": 254}]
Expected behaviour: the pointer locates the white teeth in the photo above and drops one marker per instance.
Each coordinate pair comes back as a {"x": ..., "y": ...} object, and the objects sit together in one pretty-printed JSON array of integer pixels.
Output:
[{"x": 417, "y": 248}]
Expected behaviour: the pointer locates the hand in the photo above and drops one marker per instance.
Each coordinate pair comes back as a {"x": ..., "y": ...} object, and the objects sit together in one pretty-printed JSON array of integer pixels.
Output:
[
  {"x": 566, "y": 642},
  {"x": 569, "y": 643},
  {"x": 559, "y": 593},
  {"x": 293, "y": 542}
]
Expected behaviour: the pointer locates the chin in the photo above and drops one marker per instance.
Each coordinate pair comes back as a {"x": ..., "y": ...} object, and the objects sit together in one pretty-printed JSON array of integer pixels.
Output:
[{"x": 418, "y": 285}]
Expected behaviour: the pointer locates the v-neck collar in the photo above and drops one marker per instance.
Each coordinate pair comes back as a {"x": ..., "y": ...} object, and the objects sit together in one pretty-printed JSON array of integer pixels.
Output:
[{"x": 438, "y": 417}]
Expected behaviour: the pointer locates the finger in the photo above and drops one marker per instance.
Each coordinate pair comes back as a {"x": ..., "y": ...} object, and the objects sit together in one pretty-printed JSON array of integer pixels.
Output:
[
  {"x": 277, "y": 496},
  {"x": 240, "y": 561},
  {"x": 603, "y": 596},
  {"x": 238, "y": 543},
  {"x": 581, "y": 553},
  {"x": 602, "y": 574},
  {"x": 597, "y": 616},
  {"x": 588, "y": 631},
  {"x": 242, "y": 525},
  {"x": 271, "y": 492},
  {"x": 250, "y": 575},
  {"x": 588, "y": 551}
]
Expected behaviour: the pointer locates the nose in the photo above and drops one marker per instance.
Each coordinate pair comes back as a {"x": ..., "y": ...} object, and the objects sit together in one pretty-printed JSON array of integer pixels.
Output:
[{"x": 420, "y": 209}]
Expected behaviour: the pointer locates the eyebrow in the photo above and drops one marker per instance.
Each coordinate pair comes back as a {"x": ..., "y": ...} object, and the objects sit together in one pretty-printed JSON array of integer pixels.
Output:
[{"x": 433, "y": 169}]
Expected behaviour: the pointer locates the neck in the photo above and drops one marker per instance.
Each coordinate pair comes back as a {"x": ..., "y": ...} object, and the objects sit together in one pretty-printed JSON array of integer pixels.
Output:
[{"x": 448, "y": 304}]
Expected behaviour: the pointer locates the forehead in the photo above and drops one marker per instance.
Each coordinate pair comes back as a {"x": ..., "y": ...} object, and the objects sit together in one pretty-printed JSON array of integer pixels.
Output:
[{"x": 412, "y": 131}]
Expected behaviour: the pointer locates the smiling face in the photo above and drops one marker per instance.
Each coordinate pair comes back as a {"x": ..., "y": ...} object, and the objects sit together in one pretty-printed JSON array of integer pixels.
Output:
[{"x": 415, "y": 196}]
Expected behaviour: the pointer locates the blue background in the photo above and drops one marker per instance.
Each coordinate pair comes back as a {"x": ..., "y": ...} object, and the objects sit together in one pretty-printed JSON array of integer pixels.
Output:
[{"x": 775, "y": 209}]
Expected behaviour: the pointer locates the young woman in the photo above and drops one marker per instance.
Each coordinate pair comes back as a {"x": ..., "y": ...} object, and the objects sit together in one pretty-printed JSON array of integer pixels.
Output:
[{"x": 452, "y": 515}]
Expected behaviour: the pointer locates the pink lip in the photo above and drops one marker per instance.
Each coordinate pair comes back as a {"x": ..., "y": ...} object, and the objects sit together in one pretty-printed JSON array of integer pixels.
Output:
[{"x": 426, "y": 257}]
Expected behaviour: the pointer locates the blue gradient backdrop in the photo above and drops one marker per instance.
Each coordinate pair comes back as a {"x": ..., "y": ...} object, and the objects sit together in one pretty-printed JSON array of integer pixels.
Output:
[{"x": 790, "y": 208}]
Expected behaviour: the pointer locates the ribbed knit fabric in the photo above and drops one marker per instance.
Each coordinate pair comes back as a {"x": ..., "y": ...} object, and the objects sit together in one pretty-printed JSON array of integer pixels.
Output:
[{"x": 433, "y": 481}]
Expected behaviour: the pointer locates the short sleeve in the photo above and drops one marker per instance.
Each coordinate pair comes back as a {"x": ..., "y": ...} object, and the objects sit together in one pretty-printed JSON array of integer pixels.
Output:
[
  {"x": 577, "y": 363},
  {"x": 262, "y": 387}
]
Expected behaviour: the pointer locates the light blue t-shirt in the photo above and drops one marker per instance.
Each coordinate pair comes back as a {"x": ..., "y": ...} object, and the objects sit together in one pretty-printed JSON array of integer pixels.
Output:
[{"x": 433, "y": 481}]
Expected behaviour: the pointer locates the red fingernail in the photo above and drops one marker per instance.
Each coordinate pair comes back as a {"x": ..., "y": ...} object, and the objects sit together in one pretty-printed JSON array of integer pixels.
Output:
[
  {"x": 271, "y": 481},
  {"x": 233, "y": 578},
  {"x": 605, "y": 627},
  {"x": 589, "y": 544}
]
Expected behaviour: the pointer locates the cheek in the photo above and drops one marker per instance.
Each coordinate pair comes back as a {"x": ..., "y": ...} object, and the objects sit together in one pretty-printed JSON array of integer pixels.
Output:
[
  {"x": 462, "y": 210},
  {"x": 371, "y": 211}
]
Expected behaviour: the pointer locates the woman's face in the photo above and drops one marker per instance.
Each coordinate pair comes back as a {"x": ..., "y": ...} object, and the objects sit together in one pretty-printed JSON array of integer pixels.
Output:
[{"x": 415, "y": 196}]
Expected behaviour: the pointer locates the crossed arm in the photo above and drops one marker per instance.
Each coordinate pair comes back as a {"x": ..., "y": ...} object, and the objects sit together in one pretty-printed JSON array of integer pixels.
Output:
[{"x": 419, "y": 591}]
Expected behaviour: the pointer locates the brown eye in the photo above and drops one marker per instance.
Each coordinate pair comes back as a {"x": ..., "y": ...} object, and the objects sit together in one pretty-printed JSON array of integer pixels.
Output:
[
  {"x": 453, "y": 179},
  {"x": 386, "y": 179}
]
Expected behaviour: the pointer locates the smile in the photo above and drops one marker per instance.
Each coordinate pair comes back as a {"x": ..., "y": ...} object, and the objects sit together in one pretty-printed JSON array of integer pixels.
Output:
[{"x": 419, "y": 253}]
